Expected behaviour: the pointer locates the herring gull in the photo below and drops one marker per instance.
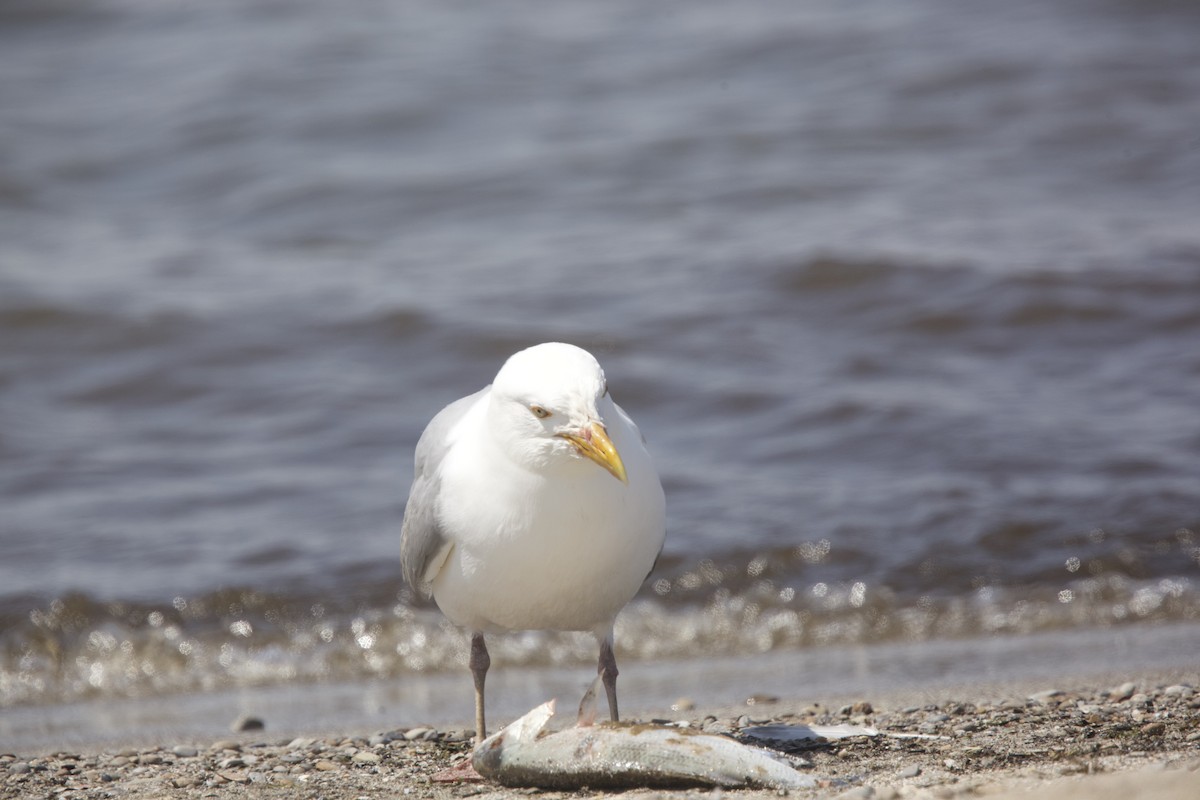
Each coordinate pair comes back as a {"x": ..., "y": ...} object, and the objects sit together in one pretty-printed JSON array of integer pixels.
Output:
[{"x": 534, "y": 506}]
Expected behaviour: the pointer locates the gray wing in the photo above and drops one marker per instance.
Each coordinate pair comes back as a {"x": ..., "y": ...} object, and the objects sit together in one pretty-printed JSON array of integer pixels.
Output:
[{"x": 422, "y": 540}]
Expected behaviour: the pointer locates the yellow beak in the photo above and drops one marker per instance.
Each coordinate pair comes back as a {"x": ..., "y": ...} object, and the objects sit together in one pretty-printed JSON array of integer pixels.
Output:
[{"x": 594, "y": 443}]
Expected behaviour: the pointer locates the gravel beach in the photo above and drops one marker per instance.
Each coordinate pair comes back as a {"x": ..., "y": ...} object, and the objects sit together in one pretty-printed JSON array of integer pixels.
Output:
[{"x": 1134, "y": 734}]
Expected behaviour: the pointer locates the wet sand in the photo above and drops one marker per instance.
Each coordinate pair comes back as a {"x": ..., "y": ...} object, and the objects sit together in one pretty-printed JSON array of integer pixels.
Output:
[{"x": 1107, "y": 736}]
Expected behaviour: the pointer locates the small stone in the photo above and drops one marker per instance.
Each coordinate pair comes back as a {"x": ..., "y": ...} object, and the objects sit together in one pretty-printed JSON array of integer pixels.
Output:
[
  {"x": 365, "y": 757},
  {"x": 1179, "y": 690},
  {"x": 185, "y": 751},
  {"x": 1154, "y": 729},
  {"x": 247, "y": 723},
  {"x": 150, "y": 759},
  {"x": 416, "y": 733},
  {"x": 685, "y": 704},
  {"x": 1046, "y": 696},
  {"x": 325, "y": 766},
  {"x": 230, "y": 763},
  {"x": 862, "y": 708},
  {"x": 910, "y": 772},
  {"x": 299, "y": 743},
  {"x": 886, "y": 793},
  {"x": 1122, "y": 692},
  {"x": 857, "y": 793},
  {"x": 226, "y": 744},
  {"x": 1139, "y": 699},
  {"x": 755, "y": 700},
  {"x": 20, "y": 768}
]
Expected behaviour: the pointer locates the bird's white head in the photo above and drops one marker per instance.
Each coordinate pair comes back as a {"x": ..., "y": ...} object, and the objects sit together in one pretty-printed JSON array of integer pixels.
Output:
[{"x": 547, "y": 403}]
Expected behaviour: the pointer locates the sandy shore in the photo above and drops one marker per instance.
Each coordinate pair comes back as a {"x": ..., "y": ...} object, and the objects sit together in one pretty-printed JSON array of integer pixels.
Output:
[{"x": 1119, "y": 736}]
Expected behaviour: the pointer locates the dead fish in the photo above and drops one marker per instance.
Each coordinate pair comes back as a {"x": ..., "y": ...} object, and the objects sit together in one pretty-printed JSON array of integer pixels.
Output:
[{"x": 622, "y": 756}]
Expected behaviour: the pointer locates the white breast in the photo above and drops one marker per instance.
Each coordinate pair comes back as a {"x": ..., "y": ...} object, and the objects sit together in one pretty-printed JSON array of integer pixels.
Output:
[{"x": 559, "y": 551}]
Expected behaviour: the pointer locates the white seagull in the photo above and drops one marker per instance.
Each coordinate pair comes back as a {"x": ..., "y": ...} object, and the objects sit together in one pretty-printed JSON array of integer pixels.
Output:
[{"x": 535, "y": 506}]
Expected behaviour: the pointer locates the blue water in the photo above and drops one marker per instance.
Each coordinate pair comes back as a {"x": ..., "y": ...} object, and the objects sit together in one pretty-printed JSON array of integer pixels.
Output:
[{"x": 904, "y": 296}]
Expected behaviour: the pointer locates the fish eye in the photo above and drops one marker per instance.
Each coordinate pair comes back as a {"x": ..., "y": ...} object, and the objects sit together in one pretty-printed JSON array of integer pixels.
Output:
[{"x": 539, "y": 412}]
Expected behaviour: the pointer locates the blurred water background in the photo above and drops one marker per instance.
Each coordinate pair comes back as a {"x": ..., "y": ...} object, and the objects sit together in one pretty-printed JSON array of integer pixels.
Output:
[{"x": 905, "y": 296}]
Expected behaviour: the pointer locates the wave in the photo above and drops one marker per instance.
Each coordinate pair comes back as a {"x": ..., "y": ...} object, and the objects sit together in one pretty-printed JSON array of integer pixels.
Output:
[{"x": 78, "y": 647}]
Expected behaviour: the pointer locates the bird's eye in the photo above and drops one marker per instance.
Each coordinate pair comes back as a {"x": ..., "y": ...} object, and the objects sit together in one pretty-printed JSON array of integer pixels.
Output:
[{"x": 539, "y": 412}]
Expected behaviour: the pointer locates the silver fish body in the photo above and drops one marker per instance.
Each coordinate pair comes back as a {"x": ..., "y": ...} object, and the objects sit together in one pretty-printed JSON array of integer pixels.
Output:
[{"x": 614, "y": 756}]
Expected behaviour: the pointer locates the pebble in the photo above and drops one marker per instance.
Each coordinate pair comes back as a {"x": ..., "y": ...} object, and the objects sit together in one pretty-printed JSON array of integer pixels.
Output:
[
  {"x": 226, "y": 744},
  {"x": 19, "y": 768},
  {"x": 1046, "y": 696},
  {"x": 247, "y": 723},
  {"x": 910, "y": 772},
  {"x": 857, "y": 793},
  {"x": 366, "y": 757},
  {"x": 1154, "y": 729},
  {"x": 185, "y": 751},
  {"x": 1179, "y": 690},
  {"x": 685, "y": 704},
  {"x": 417, "y": 733},
  {"x": 761, "y": 699},
  {"x": 325, "y": 766},
  {"x": 1122, "y": 692}
]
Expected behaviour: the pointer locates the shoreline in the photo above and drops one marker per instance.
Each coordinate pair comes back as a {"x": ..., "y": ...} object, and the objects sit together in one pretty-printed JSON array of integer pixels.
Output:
[
  {"x": 1096, "y": 730},
  {"x": 1098, "y": 739},
  {"x": 829, "y": 674}
]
